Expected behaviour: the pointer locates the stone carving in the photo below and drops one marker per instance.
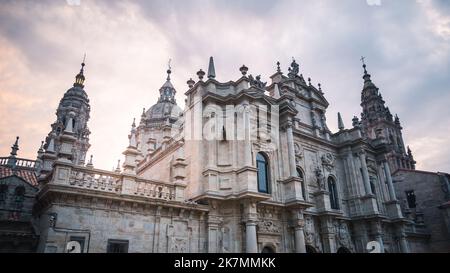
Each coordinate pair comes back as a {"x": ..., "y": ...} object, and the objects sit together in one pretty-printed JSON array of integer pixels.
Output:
[
  {"x": 298, "y": 153},
  {"x": 294, "y": 69},
  {"x": 320, "y": 178},
  {"x": 267, "y": 226},
  {"x": 257, "y": 82},
  {"x": 311, "y": 238},
  {"x": 342, "y": 234},
  {"x": 178, "y": 245},
  {"x": 309, "y": 231},
  {"x": 328, "y": 161}
]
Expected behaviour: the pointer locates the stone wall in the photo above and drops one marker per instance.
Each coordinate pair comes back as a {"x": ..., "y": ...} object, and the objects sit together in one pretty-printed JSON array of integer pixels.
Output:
[{"x": 429, "y": 196}]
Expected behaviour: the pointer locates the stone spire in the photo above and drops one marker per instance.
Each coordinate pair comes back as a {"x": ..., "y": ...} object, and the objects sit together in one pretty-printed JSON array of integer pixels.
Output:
[
  {"x": 69, "y": 136},
  {"x": 79, "y": 79},
  {"x": 132, "y": 137},
  {"x": 377, "y": 118},
  {"x": 12, "y": 156},
  {"x": 340, "y": 122},
  {"x": 211, "y": 69},
  {"x": 167, "y": 91},
  {"x": 15, "y": 148}
]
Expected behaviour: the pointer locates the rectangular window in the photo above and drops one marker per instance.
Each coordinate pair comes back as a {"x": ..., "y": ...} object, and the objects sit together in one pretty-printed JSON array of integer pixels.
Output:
[
  {"x": 117, "y": 246},
  {"x": 411, "y": 197},
  {"x": 80, "y": 240}
]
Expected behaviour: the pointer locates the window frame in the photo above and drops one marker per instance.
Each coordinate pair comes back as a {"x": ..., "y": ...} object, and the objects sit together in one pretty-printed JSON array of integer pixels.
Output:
[
  {"x": 266, "y": 173},
  {"x": 112, "y": 242},
  {"x": 333, "y": 191}
]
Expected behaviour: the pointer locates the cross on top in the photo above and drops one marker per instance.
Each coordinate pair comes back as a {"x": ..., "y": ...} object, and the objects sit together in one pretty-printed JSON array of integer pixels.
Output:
[{"x": 363, "y": 59}]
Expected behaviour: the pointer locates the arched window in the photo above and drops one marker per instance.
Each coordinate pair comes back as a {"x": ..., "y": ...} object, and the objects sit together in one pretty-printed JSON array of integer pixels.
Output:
[
  {"x": 268, "y": 249},
  {"x": 334, "y": 201},
  {"x": 310, "y": 249},
  {"x": 343, "y": 250},
  {"x": 263, "y": 174},
  {"x": 302, "y": 177}
]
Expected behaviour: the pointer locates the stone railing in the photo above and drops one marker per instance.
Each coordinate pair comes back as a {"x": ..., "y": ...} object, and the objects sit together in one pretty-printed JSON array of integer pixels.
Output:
[
  {"x": 96, "y": 180},
  {"x": 113, "y": 182},
  {"x": 155, "y": 190},
  {"x": 19, "y": 162}
]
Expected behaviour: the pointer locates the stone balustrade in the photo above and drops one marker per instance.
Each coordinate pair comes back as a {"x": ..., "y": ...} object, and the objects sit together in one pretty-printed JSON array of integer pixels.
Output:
[
  {"x": 19, "y": 162},
  {"x": 155, "y": 190},
  {"x": 96, "y": 180},
  {"x": 113, "y": 182}
]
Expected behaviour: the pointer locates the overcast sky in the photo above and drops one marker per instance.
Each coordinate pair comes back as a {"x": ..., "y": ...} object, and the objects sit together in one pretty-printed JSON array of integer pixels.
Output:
[{"x": 406, "y": 44}]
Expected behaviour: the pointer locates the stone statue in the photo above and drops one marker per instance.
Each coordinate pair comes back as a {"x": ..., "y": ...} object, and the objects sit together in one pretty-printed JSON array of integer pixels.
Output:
[
  {"x": 257, "y": 82},
  {"x": 328, "y": 161},
  {"x": 320, "y": 178}
]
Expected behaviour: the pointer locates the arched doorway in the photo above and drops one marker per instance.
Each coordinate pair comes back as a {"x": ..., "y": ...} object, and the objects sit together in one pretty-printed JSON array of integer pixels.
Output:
[
  {"x": 268, "y": 249},
  {"x": 343, "y": 250},
  {"x": 310, "y": 249}
]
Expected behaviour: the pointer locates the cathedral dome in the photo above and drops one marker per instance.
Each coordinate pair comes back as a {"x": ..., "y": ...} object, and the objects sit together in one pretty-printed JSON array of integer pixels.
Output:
[
  {"x": 162, "y": 111},
  {"x": 166, "y": 108},
  {"x": 75, "y": 97}
]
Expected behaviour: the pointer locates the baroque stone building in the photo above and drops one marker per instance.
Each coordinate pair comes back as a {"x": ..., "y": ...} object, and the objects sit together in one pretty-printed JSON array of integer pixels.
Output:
[{"x": 246, "y": 166}]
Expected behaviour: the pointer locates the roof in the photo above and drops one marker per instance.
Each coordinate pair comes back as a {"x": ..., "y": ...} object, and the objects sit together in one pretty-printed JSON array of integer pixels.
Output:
[
  {"x": 418, "y": 171},
  {"x": 27, "y": 175}
]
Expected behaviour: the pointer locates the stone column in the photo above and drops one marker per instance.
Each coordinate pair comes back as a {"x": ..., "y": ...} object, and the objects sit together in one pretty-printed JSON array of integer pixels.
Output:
[
  {"x": 300, "y": 246},
  {"x": 213, "y": 227},
  {"x": 365, "y": 172},
  {"x": 251, "y": 219},
  {"x": 250, "y": 237},
  {"x": 299, "y": 240},
  {"x": 328, "y": 235},
  {"x": 387, "y": 173},
  {"x": 247, "y": 142},
  {"x": 291, "y": 149},
  {"x": 404, "y": 246},
  {"x": 379, "y": 235}
]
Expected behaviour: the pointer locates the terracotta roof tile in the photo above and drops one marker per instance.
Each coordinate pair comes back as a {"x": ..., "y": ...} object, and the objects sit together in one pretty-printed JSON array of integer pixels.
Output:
[{"x": 27, "y": 175}]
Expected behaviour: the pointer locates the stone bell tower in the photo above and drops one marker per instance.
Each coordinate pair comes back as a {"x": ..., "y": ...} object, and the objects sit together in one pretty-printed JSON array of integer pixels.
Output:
[
  {"x": 68, "y": 140},
  {"x": 377, "y": 122}
]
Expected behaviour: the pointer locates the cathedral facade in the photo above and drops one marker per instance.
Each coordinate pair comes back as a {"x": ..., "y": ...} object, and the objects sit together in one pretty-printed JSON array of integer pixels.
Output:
[{"x": 246, "y": 166}]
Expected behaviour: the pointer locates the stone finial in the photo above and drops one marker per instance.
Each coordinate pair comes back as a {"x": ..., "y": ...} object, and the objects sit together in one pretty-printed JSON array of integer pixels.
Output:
[
  {"x": 340, "y": 123},
  {"x": 190, "y": 83},
  {"x": 90, "y": 164},
  {"x": 79, "y": 78},
  {"x": 320, "y": 88},
  {"x": 41, "y": 148},
  {"x": 132, "y": 136},
  {"x": 211, "y": 69},
  {"x": 278, "y": 67},
  {"x": 355, "y": 121},
  {"x": 243, "y": 70},
  {"x": 15, "y": 148},
  {"x": 201, "y": 74},
  {"x": 397, "y": 119},
  {"x": 309, "y": 81},
  {"x": 118, "y": 166}
]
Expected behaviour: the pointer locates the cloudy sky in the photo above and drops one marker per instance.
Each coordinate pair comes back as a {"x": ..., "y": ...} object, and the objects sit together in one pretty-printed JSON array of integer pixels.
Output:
[{"x": 128, "y": 44}]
